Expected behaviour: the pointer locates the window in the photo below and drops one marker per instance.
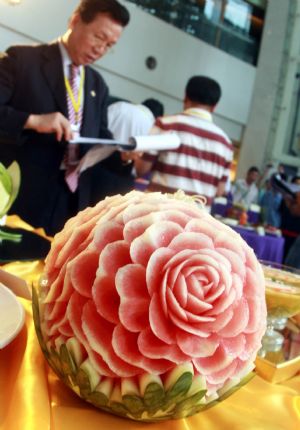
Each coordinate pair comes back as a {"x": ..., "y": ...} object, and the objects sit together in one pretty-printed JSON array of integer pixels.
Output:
[{"x": 234, "y": 26}]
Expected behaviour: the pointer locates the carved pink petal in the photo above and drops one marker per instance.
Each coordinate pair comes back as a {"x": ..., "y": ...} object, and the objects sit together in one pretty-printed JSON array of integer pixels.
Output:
[
  {"x": 74, "y": 312},
  {"x": 99, "y": 332},
  {"x": 254, "y": 282},
  {"x": 221, "y": 321},
  {"x": 201, "y": 226},
  {"x": 114, "y": 256},
  {"x": 56, "y": 287},
  {"x": 125, "y": 345},
  {"x": 99, "y": 364},
  {"x": 134, "y": 297},
  {"x": 222, "y": 303},
  {"x": 174, "y": 307},
  {"x": 179, "y": 289},
  {"x": 152, "y": 347},
  {"x": 188, "y": 240},
  {"x": 155, "y": 268},
  {"x": 236, "y": 261},
  {"x": 158, "y": 235},
  {"x": 106, "y": 233},
  {"x": 159, "y": 322},
  {"x": 197, "y": 329},
  {"x": 137, "y": 226},
  {"x": 234, "y": 345},
  {"x": 106, "y": 298},
  {"x": 82, "y": 271},
  {"x": 215, "y": 363},
  {"x": 138, "y": 211},
  {"x": 239, "y": 320},
  {"x": 196, "y": 346},
  {"x": 223, "y": 375},
  {"x": 257, "y": 313},
  {"x": 196, "y": 306}
]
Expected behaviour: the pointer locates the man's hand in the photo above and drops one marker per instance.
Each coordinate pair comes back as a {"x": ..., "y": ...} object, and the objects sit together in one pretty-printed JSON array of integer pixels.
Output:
[
  {"x": 128, "y": 156},
  {"x": 142, "y": 167},
  {"x": 50, "y": 123}
]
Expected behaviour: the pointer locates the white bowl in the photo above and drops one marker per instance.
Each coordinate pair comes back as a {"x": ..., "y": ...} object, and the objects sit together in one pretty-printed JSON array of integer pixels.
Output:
[{"x": 12, "y": 316}]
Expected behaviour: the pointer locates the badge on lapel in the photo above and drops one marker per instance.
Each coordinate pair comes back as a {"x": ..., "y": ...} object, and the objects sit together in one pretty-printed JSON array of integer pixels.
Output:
[{"x": 93, "y": 93}]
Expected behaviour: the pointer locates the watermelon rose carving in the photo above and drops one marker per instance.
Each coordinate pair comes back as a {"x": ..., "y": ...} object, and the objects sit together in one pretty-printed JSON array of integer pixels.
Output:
[{"x": 149, "y": 307}]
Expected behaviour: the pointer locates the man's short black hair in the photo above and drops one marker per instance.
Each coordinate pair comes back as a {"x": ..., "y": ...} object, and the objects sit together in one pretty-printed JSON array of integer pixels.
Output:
[
  {"x": 88, "y": 9},
  {"x": 203, "y": 90},
  {"x": 253, "y": 169},
  {"x": 156, "y": 107}
]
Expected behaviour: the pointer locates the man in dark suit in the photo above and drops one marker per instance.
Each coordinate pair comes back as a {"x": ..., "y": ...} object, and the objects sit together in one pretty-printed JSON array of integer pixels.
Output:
[{"x": 35, "y": 123}]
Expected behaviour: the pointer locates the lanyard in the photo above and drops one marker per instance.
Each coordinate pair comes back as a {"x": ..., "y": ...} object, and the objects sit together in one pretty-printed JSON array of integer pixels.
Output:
[{"x": 76, "y": 104}]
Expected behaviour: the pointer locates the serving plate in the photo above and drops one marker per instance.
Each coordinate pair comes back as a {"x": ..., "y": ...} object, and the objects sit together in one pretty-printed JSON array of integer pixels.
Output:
[{"x": 12, "y": 316}]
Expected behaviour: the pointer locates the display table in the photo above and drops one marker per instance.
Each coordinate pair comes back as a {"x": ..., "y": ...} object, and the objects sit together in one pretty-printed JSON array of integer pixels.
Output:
[
  {"x": 33, "y": 398},
  {"x": 267, "y": 247}
]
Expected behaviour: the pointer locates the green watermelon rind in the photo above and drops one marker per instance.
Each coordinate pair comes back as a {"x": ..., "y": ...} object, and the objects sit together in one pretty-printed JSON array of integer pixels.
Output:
[{"x": 157, "y": 404}]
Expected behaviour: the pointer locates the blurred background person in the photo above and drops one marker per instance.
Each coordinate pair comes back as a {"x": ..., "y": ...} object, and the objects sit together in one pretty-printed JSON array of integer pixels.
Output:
[
  {"x": 244, "y": 190},
  {"x": 293, "y": 254},
  {"x": 270, "y": 202},
  {"x": 126, "y": 119},
  {"x": 290, "y": 223},
  {"x": 202, "y": 162}
]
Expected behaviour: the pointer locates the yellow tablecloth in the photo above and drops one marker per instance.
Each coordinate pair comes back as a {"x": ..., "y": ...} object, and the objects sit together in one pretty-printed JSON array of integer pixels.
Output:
[{"x": 32, "y": 397}]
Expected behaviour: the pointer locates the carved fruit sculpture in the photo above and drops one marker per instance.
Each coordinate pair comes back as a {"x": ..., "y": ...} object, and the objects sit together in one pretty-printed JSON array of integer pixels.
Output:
[{"x": 149, "y": 308}]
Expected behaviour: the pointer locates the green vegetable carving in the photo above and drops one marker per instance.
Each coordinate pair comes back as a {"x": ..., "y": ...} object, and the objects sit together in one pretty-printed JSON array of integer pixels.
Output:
[{"x": 10, "y": 180}]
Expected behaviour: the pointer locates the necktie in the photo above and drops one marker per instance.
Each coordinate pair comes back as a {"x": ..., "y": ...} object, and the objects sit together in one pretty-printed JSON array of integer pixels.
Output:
[
  {"x": 75, "y": 117},
  {"x": 74, "y": 96}
]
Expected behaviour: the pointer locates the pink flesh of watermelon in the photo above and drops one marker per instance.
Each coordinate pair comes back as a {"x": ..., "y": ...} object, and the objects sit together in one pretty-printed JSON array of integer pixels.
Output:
[
  {"x": 215, "y": 363},
  {"x": 106, "y": 298},
  {"x": 105, "y": 233},
  {"x": 56, "y": 287},
  {"x": 189, "y": 240},
  {"x": 114, "y": 256},
  {"x": 99, "y": 333},
  {"x": 234, "y": 345},
  {"x": 222, "y": 375},
  {"x": 74, "y": 311},
  {"x": 83, "y": 272},
  {"x": 252, "y": 286},
  {"x": 239, "y": 320},
  {"x": 255, "y": 309},
  {"x": 196, "y": 347},
  {"x": 156, "y": 236},
  {"x": 237, "y": 263},
  {"x": 159, "y": 323},
  {"x": 252, "y": 343},
  {"x": 134, "y": 297},
  {"x": 154, "y": 271},
  {"x": 152, "y": 347},
  {"x": 125, "y": 344}
]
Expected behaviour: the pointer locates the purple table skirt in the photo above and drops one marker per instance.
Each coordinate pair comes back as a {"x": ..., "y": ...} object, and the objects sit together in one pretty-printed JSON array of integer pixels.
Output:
[{"x": 269, "y": 247}]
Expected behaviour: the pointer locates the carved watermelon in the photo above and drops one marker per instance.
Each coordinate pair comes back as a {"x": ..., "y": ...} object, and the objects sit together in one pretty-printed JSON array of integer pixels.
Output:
[{"x": 149, "y": 308}]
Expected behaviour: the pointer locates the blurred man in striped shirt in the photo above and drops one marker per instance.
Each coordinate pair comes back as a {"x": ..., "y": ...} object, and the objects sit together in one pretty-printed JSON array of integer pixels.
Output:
[{"x": 201, "y": 164}]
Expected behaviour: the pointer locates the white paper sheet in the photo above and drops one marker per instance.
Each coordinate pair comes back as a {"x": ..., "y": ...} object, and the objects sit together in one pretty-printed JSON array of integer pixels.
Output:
[
  {"x": 104, "y": 147},
  {"x": 156, "y": 142}
]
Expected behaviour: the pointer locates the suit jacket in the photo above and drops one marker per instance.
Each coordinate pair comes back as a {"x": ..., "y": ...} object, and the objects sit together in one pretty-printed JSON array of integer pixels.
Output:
[{"x": 32, "y": 82}]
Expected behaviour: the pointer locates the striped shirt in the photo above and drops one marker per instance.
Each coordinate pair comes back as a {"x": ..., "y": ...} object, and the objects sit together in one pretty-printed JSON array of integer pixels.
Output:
[{"x": 200, "y": 163}]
